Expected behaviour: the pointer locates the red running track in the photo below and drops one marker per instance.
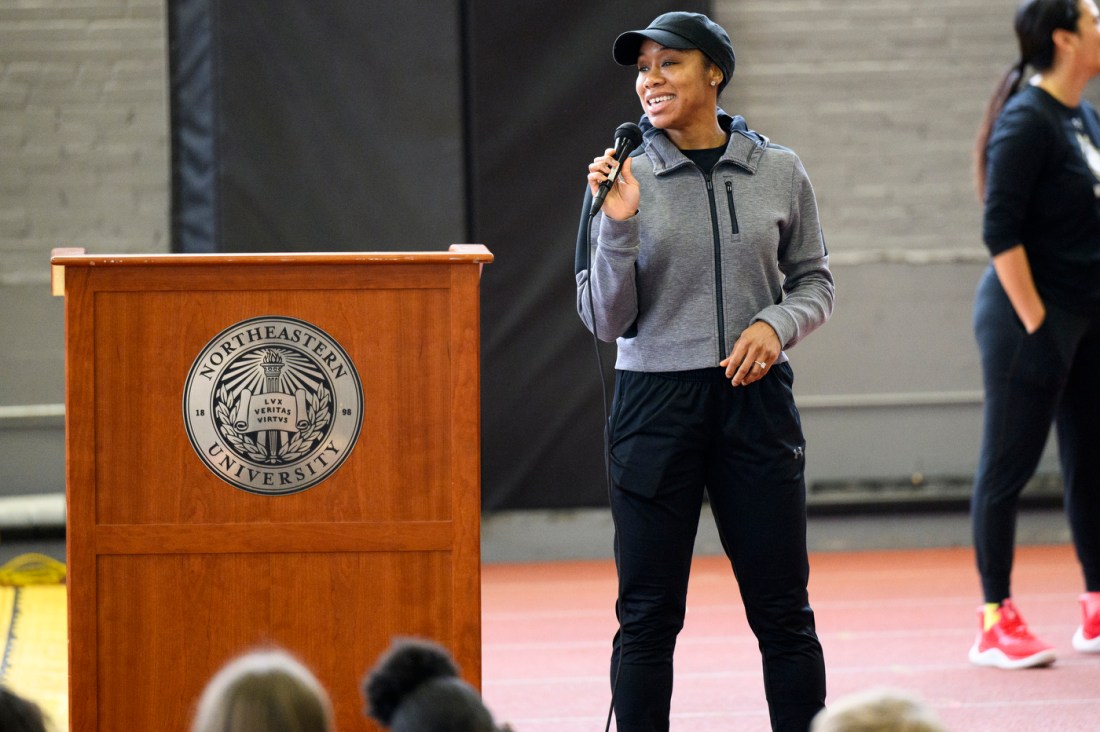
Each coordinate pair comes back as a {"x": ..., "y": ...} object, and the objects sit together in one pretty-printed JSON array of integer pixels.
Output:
[{"x": 902, "y": 619}]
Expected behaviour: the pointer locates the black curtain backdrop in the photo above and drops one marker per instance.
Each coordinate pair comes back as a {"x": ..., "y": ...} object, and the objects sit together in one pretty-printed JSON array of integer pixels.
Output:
[
  {"x": 304, "y": 126},
  {"x": 191, "y": 51},
  {"x": 329, "y": 126},
  {"x": 547, "y": 97}
]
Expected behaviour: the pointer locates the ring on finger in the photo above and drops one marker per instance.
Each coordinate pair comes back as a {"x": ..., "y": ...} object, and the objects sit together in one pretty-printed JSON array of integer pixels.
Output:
[{"x": 762, "y": 364}]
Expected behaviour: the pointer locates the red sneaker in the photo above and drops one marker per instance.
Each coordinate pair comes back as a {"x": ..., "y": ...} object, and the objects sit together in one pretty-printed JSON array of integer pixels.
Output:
[
  {"x": 1008, "y": 643},
  {"x": 1087, "y": 637}
]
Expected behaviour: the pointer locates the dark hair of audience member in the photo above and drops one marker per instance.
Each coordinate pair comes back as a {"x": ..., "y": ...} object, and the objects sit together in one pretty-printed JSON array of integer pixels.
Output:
[
  {"x": 18, "y": 714},
  {"x": 415, "y": 687}
]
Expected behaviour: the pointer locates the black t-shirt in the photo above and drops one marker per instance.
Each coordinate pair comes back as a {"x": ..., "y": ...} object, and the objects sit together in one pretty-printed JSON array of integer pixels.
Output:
[
  {"x": 706, "y": 159},
  {"x": 1043, "y": 191}
]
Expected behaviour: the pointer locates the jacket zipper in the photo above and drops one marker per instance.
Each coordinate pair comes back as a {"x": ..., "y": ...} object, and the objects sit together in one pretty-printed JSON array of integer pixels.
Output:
[
  {"x": 719, "y": 296},
  {"x": 733, "y": 208}
]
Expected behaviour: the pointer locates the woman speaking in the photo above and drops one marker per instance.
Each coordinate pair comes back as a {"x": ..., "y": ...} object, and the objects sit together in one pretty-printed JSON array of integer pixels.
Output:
[{"x": 705, "y": 263}]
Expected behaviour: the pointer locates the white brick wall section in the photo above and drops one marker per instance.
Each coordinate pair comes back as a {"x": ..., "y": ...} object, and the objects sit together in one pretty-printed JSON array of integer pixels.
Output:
[
  {"x": 881, "y": 99},
  {"x": 84, "y": 153}
]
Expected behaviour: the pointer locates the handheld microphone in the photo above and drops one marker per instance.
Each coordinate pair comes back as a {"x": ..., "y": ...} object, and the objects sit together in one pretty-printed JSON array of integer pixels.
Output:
[{"x": 627, "y": 137}]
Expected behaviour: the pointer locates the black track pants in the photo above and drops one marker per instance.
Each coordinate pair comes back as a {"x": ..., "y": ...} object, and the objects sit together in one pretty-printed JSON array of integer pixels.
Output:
[{"x": 673, "y": 435}]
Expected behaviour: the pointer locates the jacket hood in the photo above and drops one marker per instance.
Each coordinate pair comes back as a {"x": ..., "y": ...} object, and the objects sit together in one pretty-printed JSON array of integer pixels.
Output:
[{"x": 666, "y": 156}]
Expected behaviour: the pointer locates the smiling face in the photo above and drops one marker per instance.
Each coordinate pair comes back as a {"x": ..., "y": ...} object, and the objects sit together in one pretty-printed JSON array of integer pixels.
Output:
[{"x": 675, "y": 87}]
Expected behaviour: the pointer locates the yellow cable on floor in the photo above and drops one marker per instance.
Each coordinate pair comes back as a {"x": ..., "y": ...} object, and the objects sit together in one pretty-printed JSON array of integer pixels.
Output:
[{"x": 32, "y": 569}]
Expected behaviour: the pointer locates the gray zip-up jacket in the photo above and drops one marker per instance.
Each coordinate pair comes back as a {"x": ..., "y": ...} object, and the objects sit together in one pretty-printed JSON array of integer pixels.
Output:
[{"x": 705, "y": 257}]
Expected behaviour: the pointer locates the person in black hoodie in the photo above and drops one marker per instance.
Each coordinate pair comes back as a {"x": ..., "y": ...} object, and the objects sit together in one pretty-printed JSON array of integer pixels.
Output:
[{"x": 1037, "y": 313}]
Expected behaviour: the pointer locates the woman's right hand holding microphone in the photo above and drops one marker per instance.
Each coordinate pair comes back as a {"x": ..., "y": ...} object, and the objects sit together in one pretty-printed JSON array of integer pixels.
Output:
[{"x": 622, "y": 200}]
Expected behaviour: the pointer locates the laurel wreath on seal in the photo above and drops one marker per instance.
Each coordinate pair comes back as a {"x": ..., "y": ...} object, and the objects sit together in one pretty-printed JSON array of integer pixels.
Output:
[{"x": 318, "y": 415}]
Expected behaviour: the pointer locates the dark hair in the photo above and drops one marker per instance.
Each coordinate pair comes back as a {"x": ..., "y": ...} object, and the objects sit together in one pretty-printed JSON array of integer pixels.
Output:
[
  {"x": 1035, "y": 23},
  {"x": 415, "y": 688},
  {"x": 18, "y": 714}
]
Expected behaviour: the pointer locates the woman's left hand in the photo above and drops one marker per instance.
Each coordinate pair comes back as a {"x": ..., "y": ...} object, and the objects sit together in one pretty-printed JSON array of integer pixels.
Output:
[{"x": 753, "y": 354}]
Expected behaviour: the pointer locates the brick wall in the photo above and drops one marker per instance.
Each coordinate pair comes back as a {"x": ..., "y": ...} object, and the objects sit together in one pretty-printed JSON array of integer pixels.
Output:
[
  {"x": 83, "y": 162},
  {"x": 881, "y": 99},
  {"x": 83, "y": 130}
]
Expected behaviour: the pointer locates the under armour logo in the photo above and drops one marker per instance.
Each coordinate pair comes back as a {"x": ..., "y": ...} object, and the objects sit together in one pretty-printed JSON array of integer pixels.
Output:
[{"x": 798, "y": 453}]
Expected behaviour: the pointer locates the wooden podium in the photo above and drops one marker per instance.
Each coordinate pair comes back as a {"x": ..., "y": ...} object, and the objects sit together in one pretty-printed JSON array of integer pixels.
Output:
[{"x": 230, "y": 485}]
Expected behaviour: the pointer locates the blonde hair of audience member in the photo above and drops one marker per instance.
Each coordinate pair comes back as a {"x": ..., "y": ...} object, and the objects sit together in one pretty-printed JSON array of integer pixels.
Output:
[
  {"x": 264, "y": 691},
  {"x": 878, "y": 710}
]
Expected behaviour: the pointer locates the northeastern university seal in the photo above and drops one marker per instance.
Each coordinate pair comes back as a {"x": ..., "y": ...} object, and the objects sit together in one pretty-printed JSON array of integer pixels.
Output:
[{"x": 273, "y": 405}]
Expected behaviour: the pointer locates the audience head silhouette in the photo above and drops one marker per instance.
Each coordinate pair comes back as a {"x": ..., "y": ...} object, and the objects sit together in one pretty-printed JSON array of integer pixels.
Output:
[
  {"x": 415, "y": 687},
  {"x": 264, "y": 691},
  {"x": 878, "y": 710},
  {"x": 18, "y": 714}
]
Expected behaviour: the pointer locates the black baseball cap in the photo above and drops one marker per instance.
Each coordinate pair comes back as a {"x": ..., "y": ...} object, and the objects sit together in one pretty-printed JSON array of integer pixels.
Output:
[{"x": 681, "y": 31}]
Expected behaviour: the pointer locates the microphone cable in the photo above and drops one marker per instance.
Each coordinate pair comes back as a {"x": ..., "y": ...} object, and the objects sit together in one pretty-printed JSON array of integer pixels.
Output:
[
  {"x": 606, "y": 457},
  {"x": 628, "y": 136}
]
